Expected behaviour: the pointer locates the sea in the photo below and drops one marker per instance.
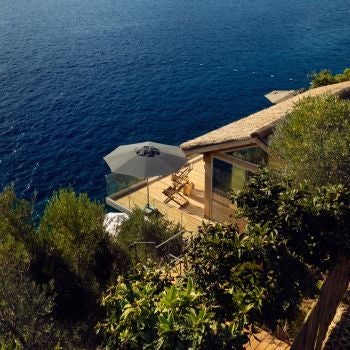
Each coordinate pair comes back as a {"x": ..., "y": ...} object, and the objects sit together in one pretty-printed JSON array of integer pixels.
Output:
[{"x": 78, "y": 78}]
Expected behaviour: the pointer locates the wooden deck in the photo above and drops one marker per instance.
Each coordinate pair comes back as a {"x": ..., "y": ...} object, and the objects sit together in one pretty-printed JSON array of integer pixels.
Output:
[
  {"x": 265, "y": 341},
  {"x": 191, "y": 216}
]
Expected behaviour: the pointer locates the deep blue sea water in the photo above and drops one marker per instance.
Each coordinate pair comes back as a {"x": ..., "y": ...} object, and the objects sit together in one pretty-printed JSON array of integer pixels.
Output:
[{"x": 78, "y": 78}]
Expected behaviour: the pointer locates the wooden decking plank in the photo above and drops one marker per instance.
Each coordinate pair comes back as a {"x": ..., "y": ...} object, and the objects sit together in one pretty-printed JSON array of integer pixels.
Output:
[
  {"x": 266, "y": 341},
  {"x": 191, "y": 215},
  {"x": 252, "y": 344},
  {"x": 256, "y": 339}
]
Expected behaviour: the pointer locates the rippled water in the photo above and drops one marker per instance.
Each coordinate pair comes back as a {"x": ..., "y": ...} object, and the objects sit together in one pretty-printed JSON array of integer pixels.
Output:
[{"x": 78, "y": 78}]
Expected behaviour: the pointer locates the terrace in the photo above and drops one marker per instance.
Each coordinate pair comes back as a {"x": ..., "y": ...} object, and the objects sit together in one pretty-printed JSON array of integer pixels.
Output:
[{"x": 190, "y": 216}]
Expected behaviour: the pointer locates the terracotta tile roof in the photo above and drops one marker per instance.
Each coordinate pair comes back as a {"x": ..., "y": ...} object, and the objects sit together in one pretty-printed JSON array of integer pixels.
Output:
[{"x": 246, "y": 127}]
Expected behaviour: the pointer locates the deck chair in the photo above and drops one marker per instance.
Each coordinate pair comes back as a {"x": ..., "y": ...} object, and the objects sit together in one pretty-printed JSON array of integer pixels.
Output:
[
  {"x": 182, "y": 175},
  {"x": 179, "y": 180},
  {"x": 174, "y": 194}
]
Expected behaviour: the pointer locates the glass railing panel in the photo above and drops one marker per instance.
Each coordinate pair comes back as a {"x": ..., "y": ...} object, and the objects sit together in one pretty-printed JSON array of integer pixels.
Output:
[
  {"x": 138, "y": 199},
  {"x": 119, "y": 182}
]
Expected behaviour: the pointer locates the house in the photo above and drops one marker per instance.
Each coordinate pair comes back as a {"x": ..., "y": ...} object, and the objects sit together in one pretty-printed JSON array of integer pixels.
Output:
[
  {"x": 235, "y": 151},
  {"x": 221, "y": 161}
]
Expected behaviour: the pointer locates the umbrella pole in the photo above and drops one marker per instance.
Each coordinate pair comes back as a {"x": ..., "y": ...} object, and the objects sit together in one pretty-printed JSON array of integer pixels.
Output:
[{"x": 147, "y": 195}]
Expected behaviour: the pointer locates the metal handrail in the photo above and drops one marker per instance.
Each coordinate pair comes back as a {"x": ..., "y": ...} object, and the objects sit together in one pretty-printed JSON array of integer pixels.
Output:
[
  {"x": 168, "y": 240},
  {"x": 140, "y": 242}
]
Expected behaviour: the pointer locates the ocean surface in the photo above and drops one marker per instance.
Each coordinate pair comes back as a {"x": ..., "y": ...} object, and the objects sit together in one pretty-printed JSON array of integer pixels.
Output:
[{"x": 79, "y": 78}]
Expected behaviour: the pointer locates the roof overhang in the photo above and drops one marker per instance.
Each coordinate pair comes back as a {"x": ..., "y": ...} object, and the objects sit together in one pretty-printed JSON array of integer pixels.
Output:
[
  {"x": 222, "y": 146},
  {"x": 257, "y": 125}
]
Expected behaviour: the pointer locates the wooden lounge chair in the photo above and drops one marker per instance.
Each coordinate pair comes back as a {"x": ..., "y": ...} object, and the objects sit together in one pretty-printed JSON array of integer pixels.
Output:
[
  {"x": 182, "y": 175},
  {"x": 179, "y": 180},
  {"x": 174, "y": 194}
]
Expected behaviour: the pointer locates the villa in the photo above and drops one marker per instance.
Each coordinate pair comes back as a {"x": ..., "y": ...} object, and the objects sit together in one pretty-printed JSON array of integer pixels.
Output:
[{"x": 220, "y": 161}]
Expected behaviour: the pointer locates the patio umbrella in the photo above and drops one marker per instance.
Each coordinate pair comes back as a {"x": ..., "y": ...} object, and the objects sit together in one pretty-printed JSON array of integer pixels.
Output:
[{"x": 145, "y": 160}]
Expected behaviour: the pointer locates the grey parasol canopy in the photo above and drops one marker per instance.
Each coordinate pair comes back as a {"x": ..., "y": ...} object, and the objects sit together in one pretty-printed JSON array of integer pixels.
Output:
[{"x": 146, "y": 159}]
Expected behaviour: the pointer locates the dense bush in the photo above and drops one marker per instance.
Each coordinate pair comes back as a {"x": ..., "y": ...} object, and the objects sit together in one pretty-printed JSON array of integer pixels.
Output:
[
  {"x": 295, "y": 233},
  {"x": 233, "y": 279},
  {"x": 147, "y": 311},
  {"x": 325, "y": 77},
  {"x": 248, "y": 270},
  {"x": 72, "y": 226},
  {"x": 152, "y": 228},
  {"x": 26, "y": 309},
  {"x": 70, "y": 252},
  {"x": 16, "y": 218},
  {"x": 313, "y": 224},
  {"x": 222, "y": 264},
  {"x": 313, "y": 142}
]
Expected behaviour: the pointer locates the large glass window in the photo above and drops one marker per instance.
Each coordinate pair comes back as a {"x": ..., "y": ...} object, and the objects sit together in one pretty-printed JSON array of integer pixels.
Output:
[
  {"x": 254, "y": 155},
  {"x": 227, "y": 177}
]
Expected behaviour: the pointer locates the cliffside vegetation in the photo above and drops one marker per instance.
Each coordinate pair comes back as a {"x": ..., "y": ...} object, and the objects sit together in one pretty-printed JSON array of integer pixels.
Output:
[
  {"x": 154, "y": 229},
  {"x": 326, "y": 77},
  {"x": 313, "y": 142},
  {"x": 53, "y": 275}
]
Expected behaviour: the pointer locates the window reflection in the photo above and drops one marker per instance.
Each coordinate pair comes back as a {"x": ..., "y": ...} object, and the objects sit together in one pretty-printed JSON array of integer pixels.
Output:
[
  {"x": 227, "y": 177},
  {"x": 254, "y": 155}
]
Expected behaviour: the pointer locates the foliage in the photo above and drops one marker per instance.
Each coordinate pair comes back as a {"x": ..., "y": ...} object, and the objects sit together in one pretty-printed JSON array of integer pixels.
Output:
[
  {"x": 148, "y": 312},
  {"x": 247, "y": 271},
  {"x": 325, "y": 77},
  {"x": 77, "y": 253},
  {"x": 25, "y": 308},
  {"x": 222, "y": 265},
  {"x": 151, "y": 228},
  {"x": 312, "y": 223},
  {"x": 16, "y": 218},
  {"x": 73, "y": 226},
  {"x": 313, "y": 142},
  {"x": 70, "y": 252}
]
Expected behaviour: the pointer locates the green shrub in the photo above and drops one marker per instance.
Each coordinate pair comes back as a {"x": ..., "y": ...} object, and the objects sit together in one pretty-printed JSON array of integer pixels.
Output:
[
  {"x": 223, "y": 266},
  {"x": 26, "y": 309},
  {"x": 313, "y": 142},
  {"x": 247, "y": 270},
  {"x": 70, "y": 252},
  {"x": 325, "y": 77},
  {"x": 147, "y": 311},
  {"x": 312, "y": 223},
  {"x": 76, "y": 252},
  {"x": 72, "y": 226},
  {"x": 16, "y": 218},
  {"x": 151, "y": 228}
]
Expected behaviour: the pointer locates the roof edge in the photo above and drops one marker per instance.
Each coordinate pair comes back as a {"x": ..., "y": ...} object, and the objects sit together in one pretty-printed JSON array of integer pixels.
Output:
[{"x": 278, "y": 111}]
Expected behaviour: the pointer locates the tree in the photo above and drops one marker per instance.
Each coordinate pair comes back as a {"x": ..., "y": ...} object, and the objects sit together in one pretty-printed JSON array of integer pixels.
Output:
[
  {"x": 75, "y": 251},
  {"x": 72, "y": 226},
  {"x": 311, "y": 224},
  {"x": 26, "y": 309},
  {"x": 313, "y": 142},
  {"x": 16, "y": 218},
  {"x": 325, "y": 77},
  {"x": 69, "y": 259}
]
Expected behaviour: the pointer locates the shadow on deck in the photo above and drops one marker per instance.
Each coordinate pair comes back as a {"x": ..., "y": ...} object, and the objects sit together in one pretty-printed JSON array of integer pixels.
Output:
[{"x": 190, "y": 216}]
